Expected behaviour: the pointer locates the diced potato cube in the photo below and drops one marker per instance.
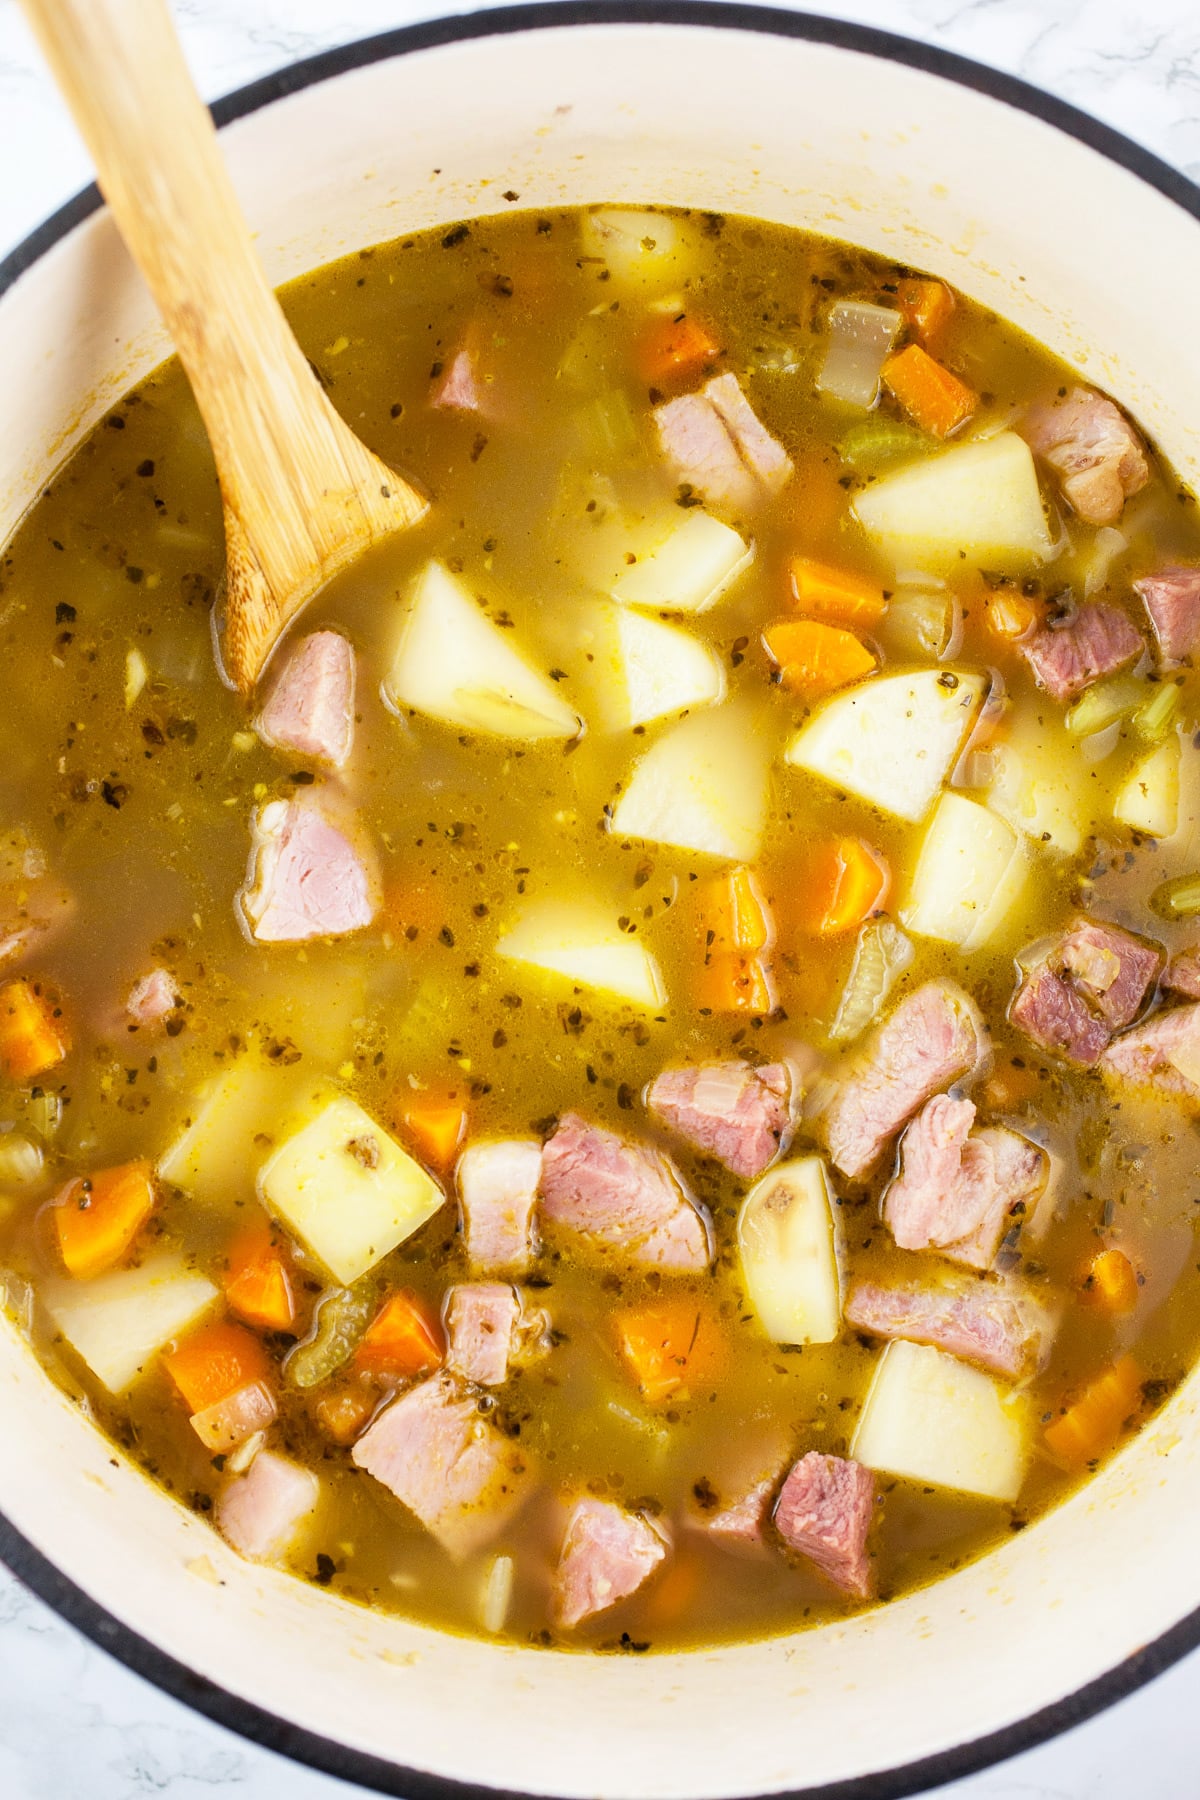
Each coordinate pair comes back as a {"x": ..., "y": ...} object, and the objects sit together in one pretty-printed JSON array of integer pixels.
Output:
[
  {"x": 217, "y": 1154},
  {"x": 689, "y": 570},
  {"x": 644, "y": 670},
  {"x": 788, "y": 1245},
  {"x": 119, "y": 1322},
  {"x": 702, "y": 786},
  {"x": 346, "y": 1189},
  {"x": 930, "y": 1418},
  {"x": 586, "y": 949},
  {"x": 969, "y": 877},
  {"x": 1042, "y": 785},
  {"x": 644, "y": 252},
  {"x": 454, "y": 664},
  {"x": 892, "y": 741},
  {"x": 1148, "y": 798},
  {"x": 980, "y": 499}
]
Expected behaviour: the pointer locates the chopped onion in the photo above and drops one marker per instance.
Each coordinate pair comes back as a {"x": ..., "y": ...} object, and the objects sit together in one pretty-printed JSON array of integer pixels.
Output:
[
  {"x": 924, "y": 624},
  {"x": 1105, "y": 704},
  {"x": 860, "y": 336},
  {"x": 976, "y": 770},
  {"x": 496, "y": 1594},
  {"x": 229, "y": 1422},
  {"x": 881, "y": 956},
  {"x": 239, "y": 1460},
  {"x": 1094, "y": 749},
  {"x": 1107, "y": 545},
  {"x": 20, "y": 1160}
]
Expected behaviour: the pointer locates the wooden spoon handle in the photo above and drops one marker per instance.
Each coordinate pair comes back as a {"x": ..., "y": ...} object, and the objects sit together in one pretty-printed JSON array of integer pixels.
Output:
[{"x": 302, "y": 495}]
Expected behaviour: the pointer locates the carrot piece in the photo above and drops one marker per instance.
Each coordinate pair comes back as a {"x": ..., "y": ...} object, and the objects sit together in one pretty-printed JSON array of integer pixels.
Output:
[
  {"x": 839, "y": 595},
  {"x": 343, "y": 1414},
  {"x": 674, "y": 349},
  {"x": 215, "y": 1361},
  {"x": 258, "y": 1283},
  {"x": 674, "y": 1590},
  {"x": 1008, "y": 1087},
  {"x": 733, "y": 913},
  {"x": 97, "y": 1217},
  {"x": 404, "y": 1338},
  {"x": 33, "y": 1034},
  {"x": 1111, "y": 1283},
  {"x": 843, "y": 883},
  {"x": 436, "y": 1123},
  {"x": 1092, "y": 1424},
  {"x": 815, "y": 658},
  {"x": 926, "y": 307},
  {"x": 735, "y": 984},
  {"x": 413, "y": 909},
  {"x": 667, "y": 1344},
  {"x": 1010, "y": 617},
  {"x": 932, "y": 397}
]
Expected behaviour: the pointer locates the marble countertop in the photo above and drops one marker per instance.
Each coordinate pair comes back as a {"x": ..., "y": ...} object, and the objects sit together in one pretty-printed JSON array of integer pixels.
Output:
[{"x": 73, "y": 1724}]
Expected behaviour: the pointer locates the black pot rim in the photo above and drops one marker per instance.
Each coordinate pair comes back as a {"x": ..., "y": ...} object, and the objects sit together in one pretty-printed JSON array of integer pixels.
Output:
[{"x": 26, "y": 1562}]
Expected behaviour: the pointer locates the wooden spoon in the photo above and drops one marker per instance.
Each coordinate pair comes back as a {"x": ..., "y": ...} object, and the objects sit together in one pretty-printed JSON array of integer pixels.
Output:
[{"x": 301, "y": 495}]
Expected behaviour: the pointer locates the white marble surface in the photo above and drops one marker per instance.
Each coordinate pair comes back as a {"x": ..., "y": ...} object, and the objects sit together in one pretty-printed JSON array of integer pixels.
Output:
[{"x": 73, "y": 1724}]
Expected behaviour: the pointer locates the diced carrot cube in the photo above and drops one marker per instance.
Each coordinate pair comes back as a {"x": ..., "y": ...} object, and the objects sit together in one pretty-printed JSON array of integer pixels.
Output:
[
  {"x": 735, "y": 984},
  {"x": 258, "y": 1283},
  {"x": 1111, "y": 1283},
  {"x": 674, "y": 349},
  {"x": 669, "y": 1344},
  {"x": 404, "y": 1338},
  {"x": 825, "y": 592},
  {"x": 932, "y": 397},
  {"x": 215, "y": 1361},
  {"x": 1093, "y": 1423},
  {"x": 97, "y": 1217},
  {"x": 733, "y": 914},
  {"x": 33, "y": 1032},
  {"x": 814, "y": 658},
  {"x": 1010, "y": 616},
  {"x": 413, "y": 908},
  {"x": 675, "y": 1590},
  {"x": 925, "y": 305},
  {"x": 842, "y": 884},
  {"x": 1008, "y": 1086},
  {"x": 343, "y": 1414},
  {"x": 437, "y": 1125}
]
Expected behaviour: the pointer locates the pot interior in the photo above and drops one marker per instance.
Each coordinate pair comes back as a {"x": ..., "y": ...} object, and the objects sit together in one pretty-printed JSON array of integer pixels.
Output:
[{"x": 1025, "y": 219}]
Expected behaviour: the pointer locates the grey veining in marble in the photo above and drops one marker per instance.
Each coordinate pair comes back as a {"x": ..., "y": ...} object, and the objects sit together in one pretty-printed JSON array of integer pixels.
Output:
[{"x": 73, "y": 1724}]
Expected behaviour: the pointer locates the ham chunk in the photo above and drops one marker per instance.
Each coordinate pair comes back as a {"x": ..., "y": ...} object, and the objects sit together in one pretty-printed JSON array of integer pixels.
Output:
[
  {"x": 1090, "y": 985},
  {"x": 457, "y": 388},
  {"x": 715, "y": 444},
  {"x": 1171, "y": 596},
  {"x": 481, "y": 1321},
  {"x": 958, "y": 1188},
  {"x": 150, "y": 1000},
  {"x": 1182, "y": 973},
  {"x": 729, "y": 1110},
  {"x": 607, "y": 1554},
  {"x": 824, "y": 1513},
  {"x": 311, "y": 706},
  {"x": 497, "y": 1190},
  {"x": 933, "y": 1037},
  {"x": 624, "y": 1196},
  {"x": 1095, "y": 640},
  {"x": 1003, "y": 1326},
  {"x": 437, "y": 1453},
  {"x": 1156, "y": 1054},
  {"x": 262, "y": 1512},
  {"x": 309, "y": 880},
  {"x": 1098, "y": 457}
]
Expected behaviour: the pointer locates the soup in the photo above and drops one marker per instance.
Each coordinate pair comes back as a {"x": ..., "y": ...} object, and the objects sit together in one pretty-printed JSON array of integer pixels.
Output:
[{"x": 646, "y": 1094}]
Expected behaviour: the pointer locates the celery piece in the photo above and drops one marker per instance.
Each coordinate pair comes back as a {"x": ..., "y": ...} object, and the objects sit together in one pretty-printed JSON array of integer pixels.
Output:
[
  {"x": 606, "y": 427},
  {"x": 1178, "y": 899},
  {"x": 339, "y": 1326},
  {"x": 879, "y": 440},
  {"x": 1154, "y": 720},
  {"x": 1104, "y": 704}
]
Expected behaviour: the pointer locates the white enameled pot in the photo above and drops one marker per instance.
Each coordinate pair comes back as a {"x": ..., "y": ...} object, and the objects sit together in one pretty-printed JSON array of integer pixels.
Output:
[{"x": 1059, "y": 225}]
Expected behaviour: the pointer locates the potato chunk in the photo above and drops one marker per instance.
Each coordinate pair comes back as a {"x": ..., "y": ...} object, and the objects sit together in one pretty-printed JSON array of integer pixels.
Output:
[
  {"x": 891, "y": 741},
  {"x": 688, "y": 571},
  {"x": 454, "y": 664},
  {"x": 644, "y": 252},
  {"x": 980, "y": 500},
  {"x": 645, "y": 670},
  {"x": 1148, "y": 798},
  {"x": 930, "y": 1418},
  {"x": 702, "y": 786},
  {"x": 788, "y": 1245},
  {"x": 346, "y": 1189},
  {"x": 587, "y": 949},
  {"x": 216, "y": 1155},
  {"x": 970, "y": 874},
  {"x": 119, "y": 1322}
]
